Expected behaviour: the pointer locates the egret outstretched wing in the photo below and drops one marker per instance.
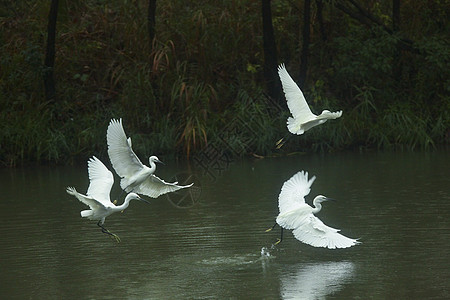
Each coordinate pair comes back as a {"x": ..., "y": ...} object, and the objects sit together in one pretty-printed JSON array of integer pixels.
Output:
[
  {"x": 315, "y": 233},
  {"x": 293, "y": 192},
  {"x": 302, "y": 118},
  {"x": 295, "y": 214},
  {"x": 97, "y": 196},
  {"x": 89, "y": 201},
  {"x": 327, "y": 115},
  {"x": 295, "y": 100},
  {"x": 122, "y": 156},
  {"x": 294, "y": 218},
  {"x": 101, "y": 181},
  {"x": 154, "y": 187}
]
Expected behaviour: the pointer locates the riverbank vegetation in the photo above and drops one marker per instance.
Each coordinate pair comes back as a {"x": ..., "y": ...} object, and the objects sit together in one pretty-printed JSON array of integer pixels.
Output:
[{"x": 201, "y": 78}]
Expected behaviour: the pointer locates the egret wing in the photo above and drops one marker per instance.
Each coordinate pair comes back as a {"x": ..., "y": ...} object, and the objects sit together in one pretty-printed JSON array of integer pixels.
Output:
[
  {"x": 335, "y": 115},
  {"x": 295, "y": 218},
  {"x": 330, "y": 115},
  {"x": 123, "y": 159},
  {"x": 315, "y": 233},
  {"x": 101, "y": 181},
  {"x": 295, "y": 100},
  {"x": 89, "y": 201},
  {"x": 154, "y": 187},
  {"x": 293, "y": 192}
]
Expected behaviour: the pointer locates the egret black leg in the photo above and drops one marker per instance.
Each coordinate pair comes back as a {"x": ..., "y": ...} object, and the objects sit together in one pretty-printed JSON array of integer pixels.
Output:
[
  {"x": 104, "y": 230},
  {"x": 281, "y": 141},
  {"x": 281, "y": 237},
  {"x": 267, "y": 230},
  {"x": 120, "y": 196}
]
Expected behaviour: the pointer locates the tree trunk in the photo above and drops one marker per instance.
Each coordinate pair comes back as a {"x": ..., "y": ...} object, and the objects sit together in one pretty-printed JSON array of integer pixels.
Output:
[
  {"x": 270, "y": 55},
  {"x": 323, "y": 34},
  {"x": 49, "y": 63},
  {"x": 151, "y": 20},
  {"x": 305, "y": 44}
]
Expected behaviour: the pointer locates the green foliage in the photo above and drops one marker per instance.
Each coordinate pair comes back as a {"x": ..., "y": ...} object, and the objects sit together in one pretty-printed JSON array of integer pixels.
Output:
[
  {"x": 203, "y": 72},
  {"x": 371, "y": 55},
  {"x": 255, "y": 123}
]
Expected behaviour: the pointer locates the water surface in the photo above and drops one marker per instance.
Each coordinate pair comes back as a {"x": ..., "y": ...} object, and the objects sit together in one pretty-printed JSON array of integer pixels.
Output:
[{"x": 398, "y": 204}]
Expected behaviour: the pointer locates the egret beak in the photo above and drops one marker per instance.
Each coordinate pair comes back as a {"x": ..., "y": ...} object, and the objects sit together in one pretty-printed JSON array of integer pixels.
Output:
[
  {"x": 329, "y": 199},
  {"x": 160, "y": 162},
  {"x": 143, "y": 200}
]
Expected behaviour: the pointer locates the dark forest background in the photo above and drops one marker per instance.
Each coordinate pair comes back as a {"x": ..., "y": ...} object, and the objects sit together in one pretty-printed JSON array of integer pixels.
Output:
[{"x": 180, "y": 73}]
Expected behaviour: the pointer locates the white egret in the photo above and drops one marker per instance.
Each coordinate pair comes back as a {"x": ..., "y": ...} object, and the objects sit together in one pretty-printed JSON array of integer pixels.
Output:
[
  {"x": 135, "y": 176},
  {"x": 298, "y": 216},
  {"x": 97, "y": 196},
  {"x": 302, "y": 118}
]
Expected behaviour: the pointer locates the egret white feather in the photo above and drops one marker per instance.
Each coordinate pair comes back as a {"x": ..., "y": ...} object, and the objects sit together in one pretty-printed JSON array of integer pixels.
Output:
[
  {"x": 298, "y": 216},
  {"x": 135, "y": 176},
  {"x": 97, "y": 196},
  {"x": 302, "y": 118}
]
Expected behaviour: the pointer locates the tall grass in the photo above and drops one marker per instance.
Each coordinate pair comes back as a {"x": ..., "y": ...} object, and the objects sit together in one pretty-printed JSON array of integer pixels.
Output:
[{"x": 203, "y": 73}]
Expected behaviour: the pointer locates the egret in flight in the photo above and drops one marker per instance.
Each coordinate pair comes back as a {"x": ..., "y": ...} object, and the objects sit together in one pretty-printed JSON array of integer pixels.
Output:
[
  {"x": 298, "y": 216},
  {"x": 97, "y": 196},
  {"x": 135, "y": 176},
  {"x": 302, "y": 118}
]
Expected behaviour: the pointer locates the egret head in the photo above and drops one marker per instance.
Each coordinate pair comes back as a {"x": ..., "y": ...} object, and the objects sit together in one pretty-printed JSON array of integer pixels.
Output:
[
  {"x": 153, "y": 158},
  {"x": 134, "y": 196},
  {"x": 321, "y": 198}
]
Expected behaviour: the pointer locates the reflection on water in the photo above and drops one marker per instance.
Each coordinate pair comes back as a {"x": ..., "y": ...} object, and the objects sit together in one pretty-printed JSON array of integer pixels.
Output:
[
  {"x": 397, "y": 203},
  {"x": 314, "y": 281}
]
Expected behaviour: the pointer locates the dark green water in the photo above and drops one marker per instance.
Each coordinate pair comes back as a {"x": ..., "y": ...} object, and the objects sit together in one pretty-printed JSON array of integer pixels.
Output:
[{"x": 398, "y": 204}]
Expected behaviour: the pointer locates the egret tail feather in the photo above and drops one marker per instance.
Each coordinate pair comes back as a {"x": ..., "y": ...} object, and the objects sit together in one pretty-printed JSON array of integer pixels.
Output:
[{"x": 86, "y": 213}]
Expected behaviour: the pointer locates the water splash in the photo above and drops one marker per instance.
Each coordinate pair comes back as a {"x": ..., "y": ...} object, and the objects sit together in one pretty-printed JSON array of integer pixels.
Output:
[{"x": 265, "y": 253}]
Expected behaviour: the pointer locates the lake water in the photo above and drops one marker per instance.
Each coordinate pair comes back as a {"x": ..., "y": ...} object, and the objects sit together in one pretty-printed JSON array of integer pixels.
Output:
[{"x": 398, "y": 204}]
